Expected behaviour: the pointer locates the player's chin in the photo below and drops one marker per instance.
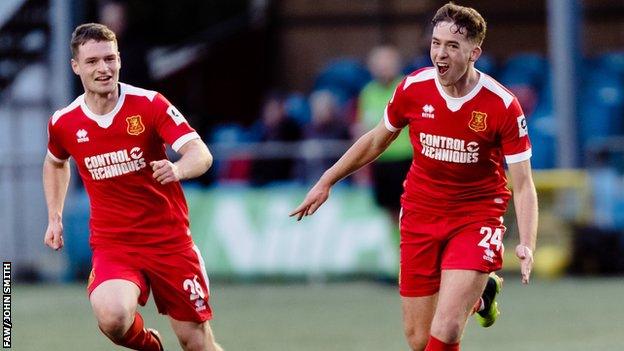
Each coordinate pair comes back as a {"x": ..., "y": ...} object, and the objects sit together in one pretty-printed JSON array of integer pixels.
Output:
[{"x": 105, "y": 87}]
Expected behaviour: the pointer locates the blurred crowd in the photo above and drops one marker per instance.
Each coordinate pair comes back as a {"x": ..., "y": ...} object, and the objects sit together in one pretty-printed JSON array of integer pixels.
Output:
[{"x": 348, "y": 98}]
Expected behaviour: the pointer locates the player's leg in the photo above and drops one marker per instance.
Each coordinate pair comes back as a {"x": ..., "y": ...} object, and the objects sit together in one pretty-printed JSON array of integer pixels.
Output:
[
  {"x": 486, "y": 309},
  {"x": 458, "y": 291},
  {"x": 180, "y": 288},
  {"x": 194, "y": 336},
  {"x": 417, "y": 316},
  {"x": 419, "y": 277},
  {"x": 477, "y": 245},
  {"x": 115, "y": 289},
  {"x": 114, "y": 303}
]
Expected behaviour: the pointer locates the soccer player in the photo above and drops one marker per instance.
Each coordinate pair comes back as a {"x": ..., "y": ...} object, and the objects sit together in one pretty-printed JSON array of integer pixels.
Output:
[
  {"x": 463, "y": 127},
  {"x": 140, "y": 236}
]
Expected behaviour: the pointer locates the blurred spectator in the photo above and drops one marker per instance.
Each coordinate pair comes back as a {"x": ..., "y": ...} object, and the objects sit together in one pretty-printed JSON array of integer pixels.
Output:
[
  {"x": 326, "y": 125},
  {"x": 391, "y": 167},
  {"x": 274, "y": 126},
  {"x": 607, "y": 192},
  {"x": 133, "y": 50},
  {"x": 598, "y": 247}
]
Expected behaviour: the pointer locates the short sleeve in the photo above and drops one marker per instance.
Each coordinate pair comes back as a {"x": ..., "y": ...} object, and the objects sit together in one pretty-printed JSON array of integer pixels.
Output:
[
  {"x": 56, "y": 151},
  {"x": 394, "y": 118},
  {"x": 514, "y": 134},
  {"x": 171, "y": 125}
]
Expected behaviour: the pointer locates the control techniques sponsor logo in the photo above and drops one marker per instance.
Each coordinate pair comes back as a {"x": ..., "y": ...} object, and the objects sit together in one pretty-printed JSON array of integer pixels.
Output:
[
  {"x": 116, "y": 163},
  {"x": 448, "y": 149}
]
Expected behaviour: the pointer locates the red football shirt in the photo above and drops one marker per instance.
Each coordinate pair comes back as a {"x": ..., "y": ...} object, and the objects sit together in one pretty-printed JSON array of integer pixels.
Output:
[
  {"x": 112, "y": 152},
  {"x": 460, "y": 144}
]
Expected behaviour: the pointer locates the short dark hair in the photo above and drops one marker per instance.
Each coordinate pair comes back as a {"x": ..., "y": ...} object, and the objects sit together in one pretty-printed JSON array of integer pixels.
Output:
[
  {"x": 90, "y": 31},
  {"x": 464, "y": 18}
]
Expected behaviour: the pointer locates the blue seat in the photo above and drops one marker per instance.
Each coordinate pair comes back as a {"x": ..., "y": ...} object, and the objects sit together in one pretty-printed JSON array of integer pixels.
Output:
[
  {"x": 526, "y": 68},
  {"x": 611, "y": 62},
  {"x": 297, "y": 108},
  {"x": 486, "y": 64},
  {"x": 542, "y": 131},
  {"x": 343, "y": 76},
  {"x": 228, "y": 133},
  {"x": 76, "y": 231},
  {"x": 417, "y": 63}
]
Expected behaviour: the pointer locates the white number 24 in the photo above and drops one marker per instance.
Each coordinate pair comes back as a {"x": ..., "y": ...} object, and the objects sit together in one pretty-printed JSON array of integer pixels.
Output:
[{"x": 490, "y": 238}]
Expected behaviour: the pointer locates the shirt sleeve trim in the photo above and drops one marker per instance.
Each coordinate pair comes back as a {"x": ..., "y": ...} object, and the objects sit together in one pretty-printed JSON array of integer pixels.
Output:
[
  {"x": 54, "y": 158},
  {"x": 183, "y": 140},
  {"x": 523, "y": 156},
  {"x": 389, "y": 125}
]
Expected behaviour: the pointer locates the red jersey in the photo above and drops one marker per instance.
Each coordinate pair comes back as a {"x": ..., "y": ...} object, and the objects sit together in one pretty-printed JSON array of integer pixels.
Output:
[
  {"x": 112, "y": 152},
  {"x": 460, "y": 144}
]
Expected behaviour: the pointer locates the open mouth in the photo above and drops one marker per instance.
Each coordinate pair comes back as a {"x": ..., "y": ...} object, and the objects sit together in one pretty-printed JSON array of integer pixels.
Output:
[
  {"x": 103, "y": 79},
  {"x": 442, "y": 67}
]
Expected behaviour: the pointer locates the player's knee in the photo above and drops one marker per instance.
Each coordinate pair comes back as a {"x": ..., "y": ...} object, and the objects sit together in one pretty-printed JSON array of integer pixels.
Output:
[
  {"x": 416, "y": 339},
  {"x": 193, "y": 342},
  {"x": 198, "y": 341},
  {"x": 114, "y": 322}
]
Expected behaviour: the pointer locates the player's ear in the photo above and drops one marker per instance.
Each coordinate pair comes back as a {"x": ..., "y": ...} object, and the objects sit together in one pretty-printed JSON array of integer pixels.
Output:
[
  {"x": 475, "y": 54},
  {"x": 74, "y": 65}
]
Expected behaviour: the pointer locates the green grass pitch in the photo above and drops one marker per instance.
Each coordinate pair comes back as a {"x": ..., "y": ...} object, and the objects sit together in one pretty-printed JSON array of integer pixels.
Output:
[{"x": 564, "y": 315}]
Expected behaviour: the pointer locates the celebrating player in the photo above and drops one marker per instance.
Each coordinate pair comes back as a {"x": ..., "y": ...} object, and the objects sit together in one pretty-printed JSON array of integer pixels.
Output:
[
  {"x": 139, "y": 225},
  {"x": 463, "y": 127}
]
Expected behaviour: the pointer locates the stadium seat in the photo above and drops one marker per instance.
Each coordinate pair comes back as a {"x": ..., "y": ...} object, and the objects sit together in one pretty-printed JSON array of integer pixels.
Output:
[
  {"x": 228, "y": 133},
  {"x": 76, "y": 232},
  {"x": 345, "y": 77},
  {"x": 611, "y": 62},
  {"x": 417, "y": 63},
  {"x": 232, "y": 167},
  {"x": 297, "y": 108},
  {"x": 527, "y": 68},
  {"x": 601, "y": 106},
  {"x": 486, "y": 64},
  {"x": 542, "y": 130}
]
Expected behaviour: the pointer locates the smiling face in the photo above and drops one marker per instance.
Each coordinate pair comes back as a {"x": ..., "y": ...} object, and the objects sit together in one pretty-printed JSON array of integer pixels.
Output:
[
  {"x": 97, "y": 63},
  {"x": 452, "y": 53}
]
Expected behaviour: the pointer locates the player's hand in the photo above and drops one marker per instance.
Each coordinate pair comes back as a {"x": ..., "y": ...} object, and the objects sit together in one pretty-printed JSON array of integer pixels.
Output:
[
  {"x": 313, "y": 200},
  {"x": 525, "y": 254},
  {"x": 54, "y": 235},
  {"x": 165, "y": 171}
]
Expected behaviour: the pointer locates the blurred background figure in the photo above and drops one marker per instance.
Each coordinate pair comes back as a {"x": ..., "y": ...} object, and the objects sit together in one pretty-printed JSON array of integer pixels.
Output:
[
  {"x": 389, "y": 170},
  {"x": 324, "y": 136},
  {"x": 274, "y": 126},
  {"x": 598, "y": 244}
]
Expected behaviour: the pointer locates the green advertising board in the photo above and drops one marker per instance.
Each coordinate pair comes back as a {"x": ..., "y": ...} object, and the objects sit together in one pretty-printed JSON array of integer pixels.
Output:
[{"x": 245, "y": 232}]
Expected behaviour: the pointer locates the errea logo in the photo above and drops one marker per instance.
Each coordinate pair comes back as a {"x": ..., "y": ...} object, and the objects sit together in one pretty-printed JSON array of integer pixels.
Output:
[
  {"x": 489, "y": 255},
  {"x": 81, "y": 136},
  {"x": 428, "y": 111}
]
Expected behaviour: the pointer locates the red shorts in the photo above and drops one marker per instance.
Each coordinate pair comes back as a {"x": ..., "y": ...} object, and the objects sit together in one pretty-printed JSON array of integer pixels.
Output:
[
  {"x": 179, "y": 281},
  {"x": 430, "y": 244}
]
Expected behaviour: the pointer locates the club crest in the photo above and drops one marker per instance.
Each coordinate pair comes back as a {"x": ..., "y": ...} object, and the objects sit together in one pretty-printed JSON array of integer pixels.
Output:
[
  {"x": 478, "y": 122},
  {"x": 135, "y": 125}
]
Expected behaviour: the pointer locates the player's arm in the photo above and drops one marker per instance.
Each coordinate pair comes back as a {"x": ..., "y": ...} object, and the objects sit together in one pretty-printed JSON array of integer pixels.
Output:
[
  {"x": 525, "y": 202},
  {"x": 196, "y": 160},
  {"x": 56, "y": 177},
  {"x": 366, "y": 149}
]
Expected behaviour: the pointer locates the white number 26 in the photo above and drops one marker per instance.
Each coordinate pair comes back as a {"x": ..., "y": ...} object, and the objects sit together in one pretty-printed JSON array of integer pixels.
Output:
[{"x": 194, "y": 288}]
